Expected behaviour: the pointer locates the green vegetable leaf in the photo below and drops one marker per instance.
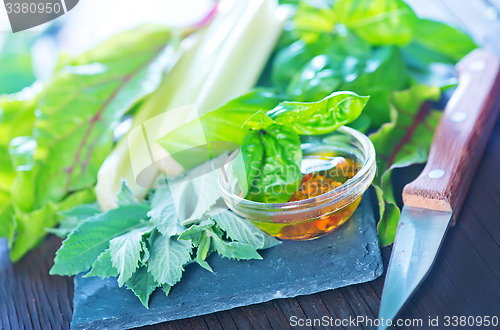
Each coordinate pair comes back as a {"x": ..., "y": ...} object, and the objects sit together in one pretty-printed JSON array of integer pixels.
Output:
[
  {"x": 168, "y": 256},
  {"x": 402, "y": 142},
  {"x": 142, "y": 285},
  {"x": 125, "y": 196},
  {"x": 92, "y": 237},
  {"x": 164, "y": 214},
  {"x": 325, "y": 116},
  {"x": 103, "y": 266},
  {"x": 31, "y": 226},
  {"x": 221, "y": 125},
  {"x": 312, "y": 20},
  {"x": 195, "y": 232},
  {"x": 126, "y": 252},
  {"x": 437, "y": 42},
  {"x": 203, "y": 250},
  {"x": 232, "y": 250},
  {"x": 15, "y": 62},
  {"x": 83, "y": 103},
  {"x": 379, "y": 22},
  {"x": 194, "y": 196},
  {"x": 433, "y": 52},
  {"x": 258, "y": 121},
  {"x": 242, "y": 230},
  {"x": 72, "y": 218}
]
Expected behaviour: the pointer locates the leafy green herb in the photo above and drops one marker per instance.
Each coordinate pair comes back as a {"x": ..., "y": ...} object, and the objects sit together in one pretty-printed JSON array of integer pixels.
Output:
[
  {"x": 223, "y": 124},
  {"x": 377, "y": 48},
  {"x": 92, "y": 237},
  {"x": 135, "y": 242},
  {"x": 321, "y": 117},
  {"x": 379, "y": 22},
  {"x": 77, "y": 111}
]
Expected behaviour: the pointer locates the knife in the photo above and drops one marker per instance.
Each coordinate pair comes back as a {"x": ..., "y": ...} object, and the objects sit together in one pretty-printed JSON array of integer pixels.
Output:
[{"x": 432, "y": 202}]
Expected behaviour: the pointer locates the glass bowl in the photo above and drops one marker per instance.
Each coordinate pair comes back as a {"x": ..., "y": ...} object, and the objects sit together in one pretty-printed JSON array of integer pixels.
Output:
[{"x": 313, "y": 217}]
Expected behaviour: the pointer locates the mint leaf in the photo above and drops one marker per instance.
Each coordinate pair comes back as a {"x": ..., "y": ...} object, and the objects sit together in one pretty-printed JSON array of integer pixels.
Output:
[
  {"x": 103, "y": 266},
  {"x": 203, "y": 251},
  {"x": 241, "y": 230},
  {"x": 232, "y": 250},
  {"x": 126, "y": 253},
  {"x": 195, "y": 232},
  {"x": 125, "y": 196},
  {"x": 142, "y": 285},
  {"x": 164, "y": 214},
  {"x": 91, "y": 238},
  {"x": 168, "y": 256}
]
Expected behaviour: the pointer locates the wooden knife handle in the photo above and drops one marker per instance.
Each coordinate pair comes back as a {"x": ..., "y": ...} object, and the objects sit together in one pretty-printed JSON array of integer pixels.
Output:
[{"x": 461, "y": 136}]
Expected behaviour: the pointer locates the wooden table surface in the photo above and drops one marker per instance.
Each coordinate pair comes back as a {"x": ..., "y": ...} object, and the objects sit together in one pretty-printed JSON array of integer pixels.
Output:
[{"x": 465, "y": 280}]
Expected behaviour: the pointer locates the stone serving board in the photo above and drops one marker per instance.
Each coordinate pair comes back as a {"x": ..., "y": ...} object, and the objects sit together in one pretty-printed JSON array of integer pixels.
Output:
[{"x": 347, "y": 256}]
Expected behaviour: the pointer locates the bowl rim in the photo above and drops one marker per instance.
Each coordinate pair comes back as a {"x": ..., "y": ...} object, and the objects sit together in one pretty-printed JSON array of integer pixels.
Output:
[{"x": 338, "y": 193}]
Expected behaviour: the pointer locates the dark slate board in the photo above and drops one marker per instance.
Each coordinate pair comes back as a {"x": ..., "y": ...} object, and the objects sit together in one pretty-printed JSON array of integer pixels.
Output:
[{"x": 347, "y": 256}]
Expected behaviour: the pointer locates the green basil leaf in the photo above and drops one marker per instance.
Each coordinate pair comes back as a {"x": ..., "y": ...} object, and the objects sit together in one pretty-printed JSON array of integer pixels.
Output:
[
  {"x": 142, "y": 285},
  {"x": 379, "y": 22},
  {"x": 325, "y": 116},
  {"x": 126, "y": 252}
]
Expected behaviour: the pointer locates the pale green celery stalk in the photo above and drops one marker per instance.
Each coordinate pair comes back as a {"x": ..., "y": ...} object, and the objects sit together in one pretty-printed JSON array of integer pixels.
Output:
[{"x": 223, "y": 64}]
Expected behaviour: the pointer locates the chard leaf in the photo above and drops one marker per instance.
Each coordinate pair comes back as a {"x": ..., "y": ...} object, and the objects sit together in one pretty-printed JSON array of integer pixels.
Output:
[
  {"x": 125, "y": 196},
  {"x": 402, "y": 142},
  {"x": 195, "y": 232},
  {"x": 379, "y": 22},
  {"x": 103, "y": 266},
  {"x": 232, "y": 250},
  {"x": 241, "y": 230},
  {"x": 168, "y": 256},
  {"x": 126, "y": 253},
  {"x": 436, "y": 42},
  {"x": 324, "y": 116},
  {"x": 142, "y": 285},
  {"x": 82, "y": 104},
  {"x": 194, "y": 197},
  {"x": 84, "y": 245},
  {"x": 188, "y": 143}
]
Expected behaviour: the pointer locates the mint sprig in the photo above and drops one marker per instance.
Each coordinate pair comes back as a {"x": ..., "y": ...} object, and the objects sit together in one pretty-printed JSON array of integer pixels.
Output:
[{"x": 145, "y": 246}]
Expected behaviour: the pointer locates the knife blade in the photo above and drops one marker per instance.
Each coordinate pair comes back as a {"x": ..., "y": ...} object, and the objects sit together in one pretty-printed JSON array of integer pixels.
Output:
[{"x": 432, "y": 202}]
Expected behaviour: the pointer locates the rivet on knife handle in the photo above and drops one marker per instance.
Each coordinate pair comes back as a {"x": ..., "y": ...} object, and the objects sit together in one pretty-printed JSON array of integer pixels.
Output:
[{"x": 461, "y": 136}]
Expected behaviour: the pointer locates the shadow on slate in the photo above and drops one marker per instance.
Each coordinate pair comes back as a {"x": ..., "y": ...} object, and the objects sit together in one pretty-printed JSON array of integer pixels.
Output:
[{"x": 347, "y": 256}]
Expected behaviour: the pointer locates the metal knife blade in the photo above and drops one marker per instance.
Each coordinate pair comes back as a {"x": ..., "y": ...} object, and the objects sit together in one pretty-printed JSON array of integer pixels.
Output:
[
  {"x": 433, "y": 200},
  {"x": 418, "y": 238}
]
